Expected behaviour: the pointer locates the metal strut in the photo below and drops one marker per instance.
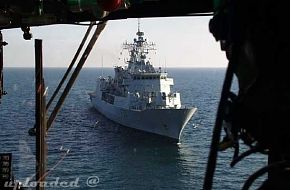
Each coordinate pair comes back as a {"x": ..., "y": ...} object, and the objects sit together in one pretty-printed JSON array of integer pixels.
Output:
[
  {"x": 70, "y": 66},
  {"x": 40, "y": 117},
  {"x": 76, "y": 72},
  {"x": 2, "y": 43}
]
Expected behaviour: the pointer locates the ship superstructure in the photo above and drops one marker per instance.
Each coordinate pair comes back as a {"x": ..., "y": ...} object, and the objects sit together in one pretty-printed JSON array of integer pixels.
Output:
[{"x": 139, "y": 96}]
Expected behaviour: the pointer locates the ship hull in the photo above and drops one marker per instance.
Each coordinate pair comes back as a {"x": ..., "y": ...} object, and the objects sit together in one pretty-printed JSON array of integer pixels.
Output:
[{"x": 164, "y": 122}]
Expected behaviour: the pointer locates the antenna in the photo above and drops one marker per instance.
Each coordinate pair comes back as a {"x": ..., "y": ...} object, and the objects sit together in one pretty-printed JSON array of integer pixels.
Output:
[
  {"x": 102, "y": 65},
  {"x": 165, "y": 65},
  {"x": 139, "y": 33},
  {"x": 139, "y": 25}
]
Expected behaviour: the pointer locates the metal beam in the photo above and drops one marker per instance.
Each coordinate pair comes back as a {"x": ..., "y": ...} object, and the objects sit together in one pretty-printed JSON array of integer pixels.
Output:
[
  {"x": 75, "y": 74},
  {"x": 1, "y": 65},
  {"x": 70, "y": 66},
  {"x": 2, "y": 44},
  {"x": 40, "y": 117}
]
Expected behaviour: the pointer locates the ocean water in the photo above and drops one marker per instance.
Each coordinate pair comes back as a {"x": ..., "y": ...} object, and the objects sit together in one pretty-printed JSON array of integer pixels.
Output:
[{"x": 105, "y": 155}]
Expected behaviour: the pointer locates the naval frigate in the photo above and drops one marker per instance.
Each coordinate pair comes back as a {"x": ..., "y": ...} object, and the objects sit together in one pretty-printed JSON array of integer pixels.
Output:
[{"x": 139, "y": 96}]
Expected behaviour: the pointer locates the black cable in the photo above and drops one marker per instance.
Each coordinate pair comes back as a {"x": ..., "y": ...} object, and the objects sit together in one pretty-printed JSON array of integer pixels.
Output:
[
  {"x": 255, "y": 149},
  {"x": 262, "y": 171},
  {"x": 211, "y": 164}
]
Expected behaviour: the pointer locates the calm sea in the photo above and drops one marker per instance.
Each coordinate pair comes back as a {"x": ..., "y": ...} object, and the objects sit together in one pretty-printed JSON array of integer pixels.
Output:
[{"x": 118, "y": 157}]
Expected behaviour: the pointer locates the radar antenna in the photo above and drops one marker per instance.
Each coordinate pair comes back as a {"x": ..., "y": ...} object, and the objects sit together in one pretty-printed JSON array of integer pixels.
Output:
[{"x": 138, "y": 25}]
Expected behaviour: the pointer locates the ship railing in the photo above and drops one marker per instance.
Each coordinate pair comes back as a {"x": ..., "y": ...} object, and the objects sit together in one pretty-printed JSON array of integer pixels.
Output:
[
  {"x": 157, "y": 107},
  {"x": 139, "y": 108}
]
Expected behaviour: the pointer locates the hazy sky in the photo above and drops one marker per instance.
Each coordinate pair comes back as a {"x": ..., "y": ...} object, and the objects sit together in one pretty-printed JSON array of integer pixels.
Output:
[{"x": 180, "y": 42}]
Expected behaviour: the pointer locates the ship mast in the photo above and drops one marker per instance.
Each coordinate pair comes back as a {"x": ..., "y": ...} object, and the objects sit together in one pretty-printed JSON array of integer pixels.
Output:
[
  {"x": 138, "y": 24},
  {"x": 138, "y": 50}
]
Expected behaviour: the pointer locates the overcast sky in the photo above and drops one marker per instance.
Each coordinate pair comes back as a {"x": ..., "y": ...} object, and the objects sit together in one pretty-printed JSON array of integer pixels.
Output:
[{"x": 180, "y": 42}]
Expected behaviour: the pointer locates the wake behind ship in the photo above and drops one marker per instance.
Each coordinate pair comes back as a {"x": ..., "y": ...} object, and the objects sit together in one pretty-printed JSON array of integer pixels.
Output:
[{"x": 140, "y": 97}]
